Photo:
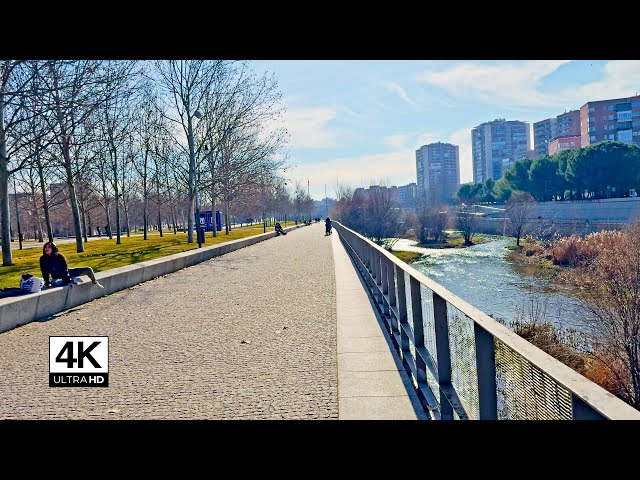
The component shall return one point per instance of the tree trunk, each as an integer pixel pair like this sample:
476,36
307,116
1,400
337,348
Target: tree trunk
227,225
173,218
84,219
106,207
192,167
158,202
115,189
126,218
72,196
45,202
4,191
35,213
145,202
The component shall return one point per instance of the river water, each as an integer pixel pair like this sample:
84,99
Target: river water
482,276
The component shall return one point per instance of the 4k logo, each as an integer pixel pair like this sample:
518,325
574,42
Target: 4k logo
78,361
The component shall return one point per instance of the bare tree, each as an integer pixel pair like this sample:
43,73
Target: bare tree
19,105
467,222
431,222
75,91
519,211
613,278
186,85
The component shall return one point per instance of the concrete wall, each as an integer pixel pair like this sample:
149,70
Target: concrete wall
21,310
578,215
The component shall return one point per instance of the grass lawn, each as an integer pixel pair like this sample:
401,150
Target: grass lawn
105,254
407,257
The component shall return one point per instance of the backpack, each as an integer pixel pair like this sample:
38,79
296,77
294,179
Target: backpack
31,284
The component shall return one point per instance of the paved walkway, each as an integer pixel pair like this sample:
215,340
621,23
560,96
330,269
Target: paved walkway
176,343
372,383
254,334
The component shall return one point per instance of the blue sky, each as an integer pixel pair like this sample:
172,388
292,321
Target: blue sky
359,122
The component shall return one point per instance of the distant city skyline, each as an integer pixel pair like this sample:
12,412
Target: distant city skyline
360,122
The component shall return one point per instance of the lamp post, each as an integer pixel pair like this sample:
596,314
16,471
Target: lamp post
198,115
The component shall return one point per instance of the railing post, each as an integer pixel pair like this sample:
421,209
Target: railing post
443,353
384,263
486,368
378,268
418,328
402,309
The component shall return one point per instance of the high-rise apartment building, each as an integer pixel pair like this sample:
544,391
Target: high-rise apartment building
616,119
544,131
407,195
438,172
496,146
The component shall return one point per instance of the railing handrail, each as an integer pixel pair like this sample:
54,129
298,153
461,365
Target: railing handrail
589,392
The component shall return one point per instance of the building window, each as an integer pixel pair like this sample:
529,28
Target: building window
635,114
612,136
610,117
592,119
611,107
635,105
592,138
636,134
636,124
592,109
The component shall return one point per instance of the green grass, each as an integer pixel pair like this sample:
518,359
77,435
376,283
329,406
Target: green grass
105,254
407,257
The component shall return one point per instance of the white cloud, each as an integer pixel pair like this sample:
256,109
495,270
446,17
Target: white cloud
309,128
621,79
398,90
398,167
398,140
510,84
517,86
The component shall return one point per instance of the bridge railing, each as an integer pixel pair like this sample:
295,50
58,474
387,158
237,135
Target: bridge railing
463,363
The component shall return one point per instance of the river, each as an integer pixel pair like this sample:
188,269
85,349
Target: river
482,276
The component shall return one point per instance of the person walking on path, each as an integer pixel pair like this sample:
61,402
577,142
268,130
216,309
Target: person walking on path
327,224
54,264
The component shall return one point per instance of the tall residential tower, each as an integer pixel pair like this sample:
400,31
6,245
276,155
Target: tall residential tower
496,146
438,172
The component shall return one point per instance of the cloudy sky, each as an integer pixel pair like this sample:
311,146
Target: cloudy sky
358,122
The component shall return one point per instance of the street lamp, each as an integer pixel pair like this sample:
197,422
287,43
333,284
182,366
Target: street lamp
198,115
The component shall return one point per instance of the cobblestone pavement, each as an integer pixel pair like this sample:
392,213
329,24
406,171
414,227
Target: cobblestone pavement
176,343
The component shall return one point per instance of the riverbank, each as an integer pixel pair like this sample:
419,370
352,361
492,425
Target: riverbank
453,240
407,257
533,259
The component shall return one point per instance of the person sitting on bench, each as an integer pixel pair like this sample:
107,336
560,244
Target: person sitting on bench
279,229
54,264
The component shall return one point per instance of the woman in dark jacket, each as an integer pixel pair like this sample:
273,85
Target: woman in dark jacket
54,264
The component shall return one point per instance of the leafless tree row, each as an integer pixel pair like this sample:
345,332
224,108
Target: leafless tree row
121,143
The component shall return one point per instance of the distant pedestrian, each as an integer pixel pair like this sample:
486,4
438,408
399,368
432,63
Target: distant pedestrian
327,226
54,264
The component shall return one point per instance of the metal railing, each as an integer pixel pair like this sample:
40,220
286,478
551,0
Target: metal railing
463,363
